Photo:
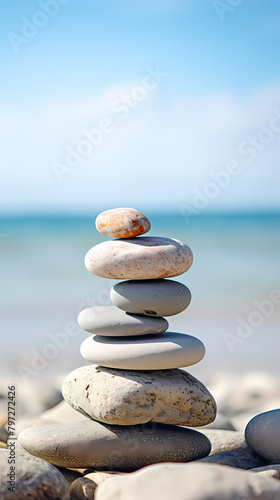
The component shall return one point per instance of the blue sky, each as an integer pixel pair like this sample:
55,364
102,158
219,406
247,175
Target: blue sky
221,87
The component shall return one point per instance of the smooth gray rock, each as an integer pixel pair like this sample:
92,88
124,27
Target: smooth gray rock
238,459
194,481
113,322
263,435
147,352
225,440
123,397
151,297
89,444
35,479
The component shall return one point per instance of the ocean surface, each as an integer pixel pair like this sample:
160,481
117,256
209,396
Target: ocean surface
234,282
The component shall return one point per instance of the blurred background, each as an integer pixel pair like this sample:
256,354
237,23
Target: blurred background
171,107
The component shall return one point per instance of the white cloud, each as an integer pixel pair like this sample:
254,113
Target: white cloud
158,155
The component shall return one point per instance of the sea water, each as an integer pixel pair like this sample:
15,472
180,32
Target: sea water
45,284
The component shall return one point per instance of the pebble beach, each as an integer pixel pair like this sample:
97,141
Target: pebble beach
141,411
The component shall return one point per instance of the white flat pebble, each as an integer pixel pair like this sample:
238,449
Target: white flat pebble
148,352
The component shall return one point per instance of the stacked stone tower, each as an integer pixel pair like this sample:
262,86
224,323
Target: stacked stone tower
134,377
137,403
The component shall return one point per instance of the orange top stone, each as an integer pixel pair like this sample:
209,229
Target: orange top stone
122,223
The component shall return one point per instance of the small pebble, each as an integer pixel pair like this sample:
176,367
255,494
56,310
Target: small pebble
122,223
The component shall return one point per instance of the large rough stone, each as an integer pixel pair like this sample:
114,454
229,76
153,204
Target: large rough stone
147,352
263,435
35,479
238,459
139,258
222,440
90,444
122,223
113,322
151,297
123,397
195,481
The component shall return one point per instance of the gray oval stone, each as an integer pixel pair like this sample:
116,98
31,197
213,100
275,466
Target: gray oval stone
148,352
35,478
122,397
151,297
141,258
238,459
89,444
194,481
111,321
263,435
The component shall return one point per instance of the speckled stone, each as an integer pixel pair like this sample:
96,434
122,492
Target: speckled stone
151,297
35,479
263,435
113,322
89,444
122,223
148,352
123,397
194,481
139,258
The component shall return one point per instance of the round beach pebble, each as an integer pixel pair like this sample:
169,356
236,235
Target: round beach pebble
123,397
151,297
148,352
139,258
34,478
90,444
122,223
113,322
263,435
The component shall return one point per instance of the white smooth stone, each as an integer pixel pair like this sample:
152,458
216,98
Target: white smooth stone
139,258
149,352
151,297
